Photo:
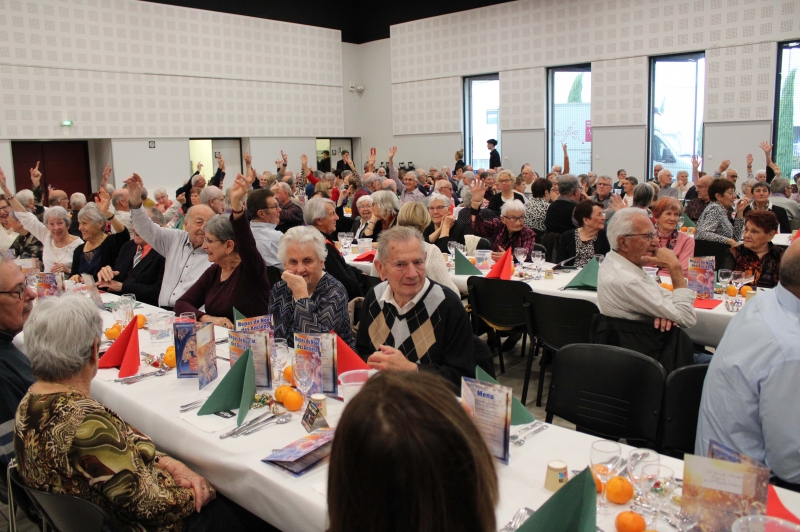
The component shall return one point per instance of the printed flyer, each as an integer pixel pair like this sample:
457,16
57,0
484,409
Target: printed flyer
206,355
701,276
489,405
263,326
323,347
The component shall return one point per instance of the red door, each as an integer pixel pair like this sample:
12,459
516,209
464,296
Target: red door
64,164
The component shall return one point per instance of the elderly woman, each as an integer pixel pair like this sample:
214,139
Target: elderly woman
757,257
162,200
7,234
643,195
99,248
536,208
364,205
414,214
715,222
628,186
62,436
682,183
384,214
761,202
506,232
58,245
443,228
307,299
588,240
747,189
505,179
667,212
238,276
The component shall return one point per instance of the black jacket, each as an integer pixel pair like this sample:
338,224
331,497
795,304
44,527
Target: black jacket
496,202
109,251
336,266
559,216
567,248
144,281
494,159
456,235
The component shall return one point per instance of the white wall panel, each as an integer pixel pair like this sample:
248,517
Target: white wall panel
523,94
740,83
524,147
432,106
619,92
614,148
167,165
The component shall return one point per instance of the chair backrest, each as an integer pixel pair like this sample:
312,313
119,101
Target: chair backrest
539,247
558,321
484,243
64,512
607,390
707,248
550,242
498,303
682,394
368,282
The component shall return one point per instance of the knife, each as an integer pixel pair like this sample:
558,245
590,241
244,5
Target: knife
243,426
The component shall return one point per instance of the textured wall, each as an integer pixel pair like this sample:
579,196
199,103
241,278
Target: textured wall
740,83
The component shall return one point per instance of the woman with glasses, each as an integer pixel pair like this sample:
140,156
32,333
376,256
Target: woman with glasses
588,240
506,232
364,205
99,248
760,193
505,179
715,223
443,228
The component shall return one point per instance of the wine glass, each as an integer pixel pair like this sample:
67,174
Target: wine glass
725,278
679,225
685,508
599,258
538,259
605,460
737,279
521,254
349,240
637,460
304,369
342,236
451,248
279,357
660,483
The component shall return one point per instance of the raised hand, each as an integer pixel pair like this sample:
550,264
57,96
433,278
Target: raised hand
3,184
564,147
248,159
304,161
766,146
724,165
285,158
181,198
103,200
36,175
107,176
749,160
696,160
478,188
135,185
392,152
372,154
617,202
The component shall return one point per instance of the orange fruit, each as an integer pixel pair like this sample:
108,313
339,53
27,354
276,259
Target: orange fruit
684,229
280,393
141,320
630,522
112,333
731,291
287,374
472,260
169,357
597,484
293,401
619,490
666,286
745,290
117,326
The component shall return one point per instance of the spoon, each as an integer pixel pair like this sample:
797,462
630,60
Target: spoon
280,420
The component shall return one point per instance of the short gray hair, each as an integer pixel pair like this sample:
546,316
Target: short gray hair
388,184
315,209
622,224
469,175
363,199
110,188
512,206
283,186
385,201
219,226
306,237
209,193
642,195
760,172
604,178
196,178
92,214
24,196
397,235
156,216
117,196
368,179
567,184
330,176
60,335
77,200
778,185
57,212
439,197
160,192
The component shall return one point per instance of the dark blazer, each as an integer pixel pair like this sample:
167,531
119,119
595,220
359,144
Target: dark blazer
73,227
109,251
456,235
567,249
145,279
783,218
496,201
559,216
494,159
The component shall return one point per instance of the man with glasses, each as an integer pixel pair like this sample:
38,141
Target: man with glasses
445,188
624,290
410,190
602,193
529,176
16,303
264,213
410,323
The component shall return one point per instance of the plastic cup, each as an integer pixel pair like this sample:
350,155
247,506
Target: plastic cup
352,382
364,245
160,327
483,257
763,523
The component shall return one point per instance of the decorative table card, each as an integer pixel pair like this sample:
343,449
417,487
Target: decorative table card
489,405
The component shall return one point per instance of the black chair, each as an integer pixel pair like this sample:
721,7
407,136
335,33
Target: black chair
608,391
483,356
484,243
707,248
550,242
274,275
369,282
63,513
682,394
498,304
539,247
554,322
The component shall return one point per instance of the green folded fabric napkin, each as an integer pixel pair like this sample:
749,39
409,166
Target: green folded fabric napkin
519,414
236,390
464,266
586,278
237,315
687,222
570,509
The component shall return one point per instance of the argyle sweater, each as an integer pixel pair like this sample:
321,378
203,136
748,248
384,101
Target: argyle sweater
435,333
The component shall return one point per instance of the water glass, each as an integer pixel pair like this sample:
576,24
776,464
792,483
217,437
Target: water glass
160,326
660,483
725,277
123,311
364,245
482,258
685,507
521,254
304,369
637,460
737,278
451,248
605,458
187,317
279,357
538,259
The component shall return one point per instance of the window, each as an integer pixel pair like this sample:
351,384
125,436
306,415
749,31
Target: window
570,117
676,110
787,111
481,117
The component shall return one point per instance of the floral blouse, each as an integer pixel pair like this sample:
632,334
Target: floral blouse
70,444
715,225
764,270
535,213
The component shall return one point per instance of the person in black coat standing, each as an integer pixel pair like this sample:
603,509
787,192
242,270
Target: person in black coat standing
494,155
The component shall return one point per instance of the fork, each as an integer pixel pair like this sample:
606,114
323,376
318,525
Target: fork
192,405
515,522
531,433
141,376
532,426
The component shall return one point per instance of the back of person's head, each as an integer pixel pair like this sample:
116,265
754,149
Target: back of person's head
779,184
567,184
790,269
540,187
407,457
642,195
77,201
256,201
414,214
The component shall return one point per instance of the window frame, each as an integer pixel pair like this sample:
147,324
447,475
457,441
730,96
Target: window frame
551,71
793,43
467,113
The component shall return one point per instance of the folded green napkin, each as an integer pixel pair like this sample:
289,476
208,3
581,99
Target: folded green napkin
519,414
464,266
236,390
687,222
570,509
586,278
237,315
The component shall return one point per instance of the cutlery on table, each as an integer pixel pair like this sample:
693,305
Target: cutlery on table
280,420
192,405
222,341
141,376
243,426
518,435
521,441
515,522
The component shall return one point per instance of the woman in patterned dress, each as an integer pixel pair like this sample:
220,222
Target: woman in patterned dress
757,257
588,240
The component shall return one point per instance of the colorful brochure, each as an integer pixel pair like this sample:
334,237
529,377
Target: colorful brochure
701,276
206,355
186,348
262,326
49,284
257,343
489,405
322,346
304,453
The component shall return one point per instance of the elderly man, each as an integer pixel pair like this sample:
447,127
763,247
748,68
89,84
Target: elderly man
291,214
445,188
16,303
212,196
76,202
264,213
696,206
506,232
369,183
559,215
624,290
602,193
410,323
665,188
182,249
410,192
320,213
120,200
753,376
781,193
529,176
59,198
656,169
389,184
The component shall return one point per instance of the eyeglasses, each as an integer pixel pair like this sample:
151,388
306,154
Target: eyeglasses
276,207
5,208
515,219
648,236
504,181
19,292
400,266
437,208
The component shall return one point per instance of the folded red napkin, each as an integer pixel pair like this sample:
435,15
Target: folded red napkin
775,507
707,303
346,358
502,268
124,352
369,256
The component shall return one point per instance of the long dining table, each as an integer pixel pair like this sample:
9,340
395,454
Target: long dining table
298,503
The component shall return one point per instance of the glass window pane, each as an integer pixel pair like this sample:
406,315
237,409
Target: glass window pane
787,134
482,117
570,118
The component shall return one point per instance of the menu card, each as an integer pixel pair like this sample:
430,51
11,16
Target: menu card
302,454
49,284
322,346
701,276
489,405
263,326
186,348
206,355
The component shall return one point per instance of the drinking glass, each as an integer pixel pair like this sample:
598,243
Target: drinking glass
599,258
188,317
451,248
725,278
659,483
462,248
538,259
737,278
680,224
304,369
605,459
279,357
348,241
685,509
521,254
160,327
637,460
123,311
130,296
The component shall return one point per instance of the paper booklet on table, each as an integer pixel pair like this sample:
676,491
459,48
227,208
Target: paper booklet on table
49,284
489,405
186,348
206,355
322,346
701,276
264,326
304,453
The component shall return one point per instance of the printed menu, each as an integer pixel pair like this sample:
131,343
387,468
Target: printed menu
262,326
186,348
206,355
489,405
701,276
322,346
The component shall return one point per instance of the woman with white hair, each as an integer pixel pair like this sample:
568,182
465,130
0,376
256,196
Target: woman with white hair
238,275
99,248
364,205
59,245
162,200
69,444
307,299
506,232
442,228
384,214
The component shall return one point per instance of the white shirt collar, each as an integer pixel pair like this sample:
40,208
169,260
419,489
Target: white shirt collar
388,297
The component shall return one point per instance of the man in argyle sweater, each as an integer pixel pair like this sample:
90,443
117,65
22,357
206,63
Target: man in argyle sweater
410,323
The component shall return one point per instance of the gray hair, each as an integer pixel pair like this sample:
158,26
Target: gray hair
397,235
160,192
219,226
315,209
512,206
91,213
156,216
210,193
385,201
468,176
642,195
283,186
110,188
330,176
303,236
388,184
439,197
289,180
368,179
77,201
622,224
567,184
196,178
57,212
750,183
117,196
760,172
24,196
604,178
60,335
346,173
778,185
790,271
363,199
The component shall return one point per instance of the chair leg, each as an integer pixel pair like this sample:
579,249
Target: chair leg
534,349
524,339
543,366
500,353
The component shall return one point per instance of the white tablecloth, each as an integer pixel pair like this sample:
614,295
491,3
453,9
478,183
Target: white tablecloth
782,239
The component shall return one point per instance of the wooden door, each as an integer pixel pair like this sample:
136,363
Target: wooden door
64,164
